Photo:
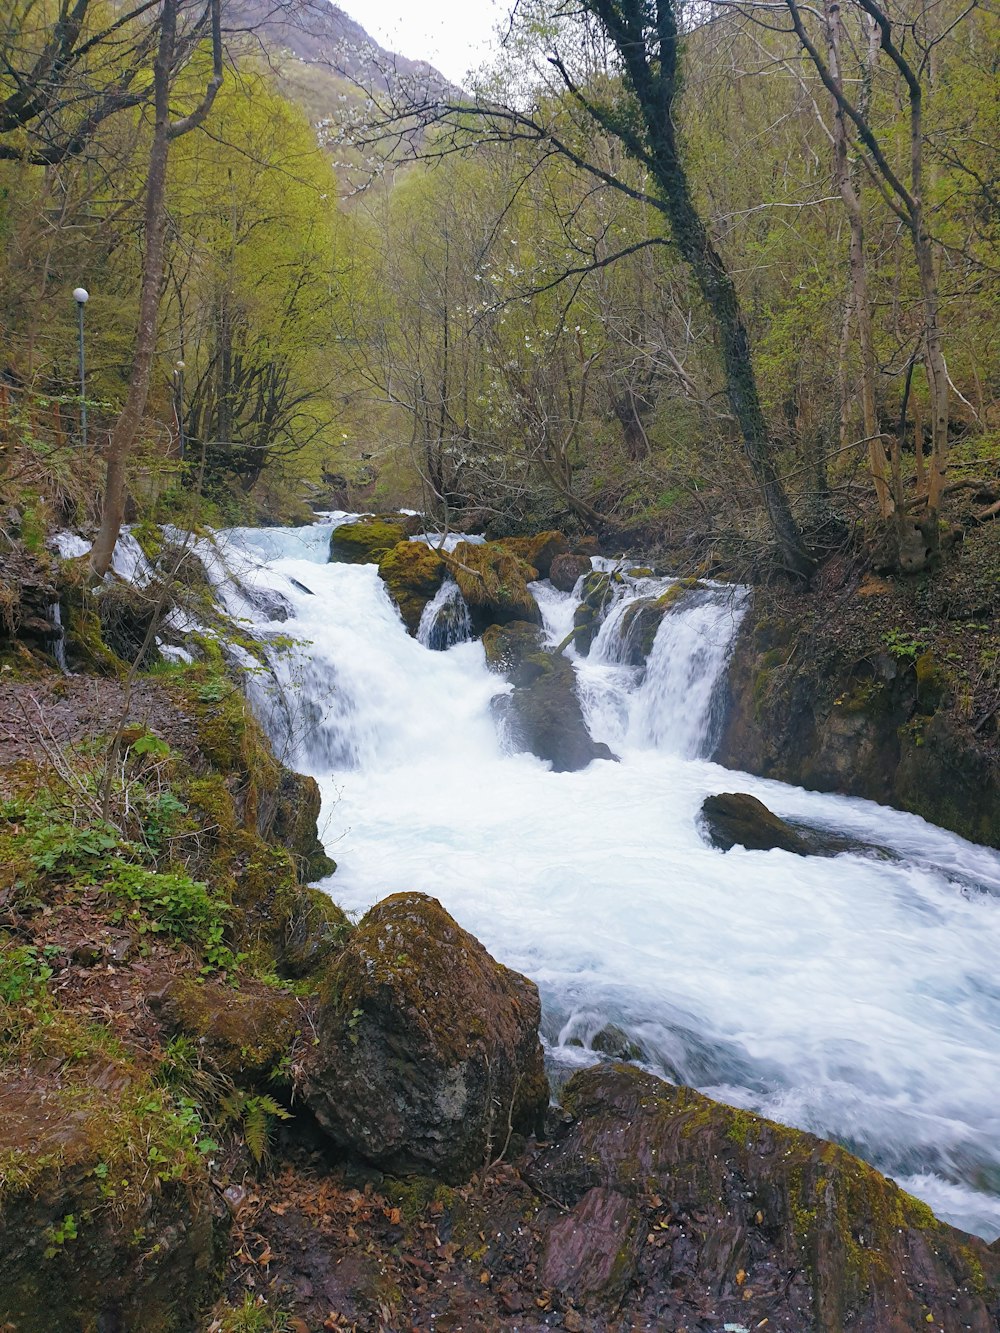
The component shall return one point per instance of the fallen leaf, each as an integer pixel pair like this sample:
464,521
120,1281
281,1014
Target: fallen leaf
741,1277
484,1278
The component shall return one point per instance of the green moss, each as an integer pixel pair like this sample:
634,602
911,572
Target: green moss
412,573
494,582
365,542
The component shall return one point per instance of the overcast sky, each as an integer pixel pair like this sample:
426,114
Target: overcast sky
454,35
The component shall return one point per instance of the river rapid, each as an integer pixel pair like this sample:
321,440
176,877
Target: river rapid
855,996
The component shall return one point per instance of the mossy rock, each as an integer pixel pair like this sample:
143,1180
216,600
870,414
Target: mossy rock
566,569
427,1047
295,826
540,550
508,647
413,573
494,582
366,541
595,597
246,1033
774,1225
315,931
108,1217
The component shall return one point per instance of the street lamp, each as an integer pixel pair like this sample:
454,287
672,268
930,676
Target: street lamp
179,404
81,296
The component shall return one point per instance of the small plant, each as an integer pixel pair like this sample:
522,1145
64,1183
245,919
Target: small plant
904,646
24,974
253,1316
58,1234
255,1113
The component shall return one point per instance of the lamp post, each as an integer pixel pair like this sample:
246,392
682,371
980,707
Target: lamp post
179,405
81,296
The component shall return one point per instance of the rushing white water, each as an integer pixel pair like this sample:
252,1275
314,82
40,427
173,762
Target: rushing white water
855,996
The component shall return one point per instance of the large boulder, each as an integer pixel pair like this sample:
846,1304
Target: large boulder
428,1053
494,582
709,1217
567,568
412,572
540,550
365,541
736,819
508,648
543,714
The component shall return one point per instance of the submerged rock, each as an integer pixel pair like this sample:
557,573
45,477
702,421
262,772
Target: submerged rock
543,715
641,621
704,1216
736,819
366,541
566,569
413,573
494,582
428,1051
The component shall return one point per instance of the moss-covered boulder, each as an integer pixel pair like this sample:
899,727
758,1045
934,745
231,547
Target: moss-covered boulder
737,819
412,572
509,647
428,1050
567,568
246,1033
365,541
745,1223
540,550
108,1216
494,582
543,715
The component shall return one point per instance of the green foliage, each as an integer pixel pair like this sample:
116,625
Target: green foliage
58,1234
254,1316
24,973
255,1114
169,901
906,647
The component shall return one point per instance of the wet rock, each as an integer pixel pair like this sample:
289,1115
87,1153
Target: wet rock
246,1032
595,598
640,622
494,582
544,716
613,1042
451,622
508,647
316,929
412,572
366,541
594,1249
736,819
540,550
295,825
746,1222
566,569
428,1048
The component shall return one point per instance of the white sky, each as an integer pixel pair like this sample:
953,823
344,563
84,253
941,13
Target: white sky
453,35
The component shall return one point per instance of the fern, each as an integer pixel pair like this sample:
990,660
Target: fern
255,1114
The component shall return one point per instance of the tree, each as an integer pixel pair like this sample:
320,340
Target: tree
175,49
637,108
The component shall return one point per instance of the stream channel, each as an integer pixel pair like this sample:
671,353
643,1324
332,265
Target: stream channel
857,996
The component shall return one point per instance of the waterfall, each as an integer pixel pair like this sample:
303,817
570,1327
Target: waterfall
852,996
58,639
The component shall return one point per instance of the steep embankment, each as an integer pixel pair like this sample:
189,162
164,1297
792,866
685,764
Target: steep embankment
879,686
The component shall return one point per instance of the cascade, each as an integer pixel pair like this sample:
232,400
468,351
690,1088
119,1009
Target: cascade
854,996
445,620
